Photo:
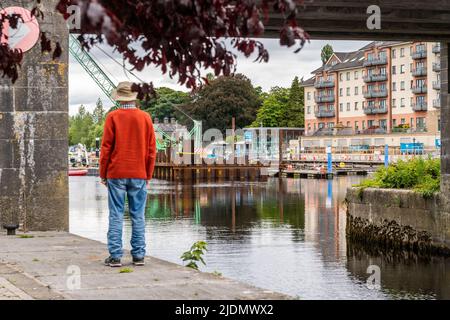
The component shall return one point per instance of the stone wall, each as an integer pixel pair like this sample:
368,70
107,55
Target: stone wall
399,219
34,133
445,121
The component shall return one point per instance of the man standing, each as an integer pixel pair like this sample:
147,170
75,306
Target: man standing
127,160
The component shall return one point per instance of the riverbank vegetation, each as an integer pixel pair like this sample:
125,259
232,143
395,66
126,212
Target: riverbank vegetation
420,175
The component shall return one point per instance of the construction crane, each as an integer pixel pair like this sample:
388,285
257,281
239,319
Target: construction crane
107,86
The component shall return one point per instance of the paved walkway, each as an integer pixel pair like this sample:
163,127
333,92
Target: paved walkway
59,265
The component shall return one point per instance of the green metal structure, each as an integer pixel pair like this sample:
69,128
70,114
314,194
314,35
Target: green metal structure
107,86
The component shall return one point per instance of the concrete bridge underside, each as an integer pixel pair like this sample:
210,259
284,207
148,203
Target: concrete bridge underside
34,111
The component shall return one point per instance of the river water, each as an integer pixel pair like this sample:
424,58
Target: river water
287,236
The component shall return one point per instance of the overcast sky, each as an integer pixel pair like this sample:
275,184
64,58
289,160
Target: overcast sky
282,67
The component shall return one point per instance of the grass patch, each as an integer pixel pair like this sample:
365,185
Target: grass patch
26,236
126,270
420,175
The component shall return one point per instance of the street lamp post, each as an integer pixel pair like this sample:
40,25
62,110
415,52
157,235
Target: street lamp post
97,147
414,146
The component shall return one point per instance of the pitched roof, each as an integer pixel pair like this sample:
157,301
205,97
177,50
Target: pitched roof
308,83
351,60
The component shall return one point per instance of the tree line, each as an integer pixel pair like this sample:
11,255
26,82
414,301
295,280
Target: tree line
215,104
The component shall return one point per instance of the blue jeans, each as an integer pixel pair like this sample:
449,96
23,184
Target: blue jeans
136,189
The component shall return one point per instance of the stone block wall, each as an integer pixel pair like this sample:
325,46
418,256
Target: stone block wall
34,133
400,219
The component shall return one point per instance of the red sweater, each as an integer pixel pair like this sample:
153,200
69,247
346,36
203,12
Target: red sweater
128,146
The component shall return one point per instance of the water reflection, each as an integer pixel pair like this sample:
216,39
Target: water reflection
286,235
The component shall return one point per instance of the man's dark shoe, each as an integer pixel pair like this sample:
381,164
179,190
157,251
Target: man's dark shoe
113,262
138,261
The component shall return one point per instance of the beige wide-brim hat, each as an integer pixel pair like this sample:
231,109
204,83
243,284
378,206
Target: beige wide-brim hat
123,92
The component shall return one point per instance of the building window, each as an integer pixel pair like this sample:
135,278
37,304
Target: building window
308,95
394,70
402,121
348,123
402,52
394,86
402,86
348,76
356,126
394,122
394,53
309,127
348,92
402,102
348,106
356,75
363,124
393,103
330,125
341,92
402,68
356,106
356,91
308,108
341,77
420,122
341,107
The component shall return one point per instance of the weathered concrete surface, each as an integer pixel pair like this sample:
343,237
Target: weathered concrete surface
399,218
34,133
48,257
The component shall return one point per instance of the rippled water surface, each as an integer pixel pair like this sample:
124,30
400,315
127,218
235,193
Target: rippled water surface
286,236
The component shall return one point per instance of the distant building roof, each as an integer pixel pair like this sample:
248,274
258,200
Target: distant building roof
349,60
308,83
168,126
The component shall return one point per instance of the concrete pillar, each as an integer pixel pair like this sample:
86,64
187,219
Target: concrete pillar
34,133
445,122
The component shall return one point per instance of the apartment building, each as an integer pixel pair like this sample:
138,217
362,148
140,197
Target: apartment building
385,88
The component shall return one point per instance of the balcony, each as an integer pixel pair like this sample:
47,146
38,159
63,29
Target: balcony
376,61
324,113
375,93
375,77
419,72
436,85
437,103
375,109
327,83
324,98
419,90
437,48
419,54
436,66
419,106
407,129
